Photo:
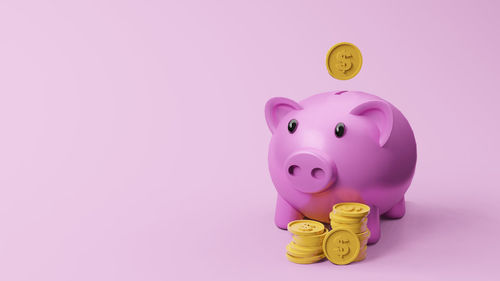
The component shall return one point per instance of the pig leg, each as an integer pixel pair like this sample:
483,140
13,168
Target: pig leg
397,211
374,225
285,213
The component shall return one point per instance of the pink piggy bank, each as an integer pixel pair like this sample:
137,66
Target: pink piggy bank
339,147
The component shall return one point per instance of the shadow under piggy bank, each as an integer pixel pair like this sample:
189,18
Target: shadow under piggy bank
420,223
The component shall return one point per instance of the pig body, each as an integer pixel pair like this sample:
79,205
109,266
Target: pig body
339,147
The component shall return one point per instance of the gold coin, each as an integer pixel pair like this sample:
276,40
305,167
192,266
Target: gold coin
301,255
310,240
361,256
362,253
344,61
356,228
351,209
303,241
339,217
305,227
363,244
347,220
301,251
341,246
364,235
304,260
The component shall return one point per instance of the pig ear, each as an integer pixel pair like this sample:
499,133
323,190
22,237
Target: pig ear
380,113
276,108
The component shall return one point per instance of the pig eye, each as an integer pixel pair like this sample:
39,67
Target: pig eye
292,126
340,130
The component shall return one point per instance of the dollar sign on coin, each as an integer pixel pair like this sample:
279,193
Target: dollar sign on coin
305,227
351,209
343,61
342,245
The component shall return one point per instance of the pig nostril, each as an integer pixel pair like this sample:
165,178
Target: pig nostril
317,173
293,170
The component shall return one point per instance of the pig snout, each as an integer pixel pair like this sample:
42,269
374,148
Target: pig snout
310,172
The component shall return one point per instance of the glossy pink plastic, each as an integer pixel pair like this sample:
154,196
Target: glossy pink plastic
313,168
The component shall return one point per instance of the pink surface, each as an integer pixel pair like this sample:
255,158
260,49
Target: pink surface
134,144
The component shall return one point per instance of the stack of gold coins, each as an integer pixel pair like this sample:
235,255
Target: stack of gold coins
307,241
353,217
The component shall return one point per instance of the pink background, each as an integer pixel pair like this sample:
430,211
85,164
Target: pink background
134,145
